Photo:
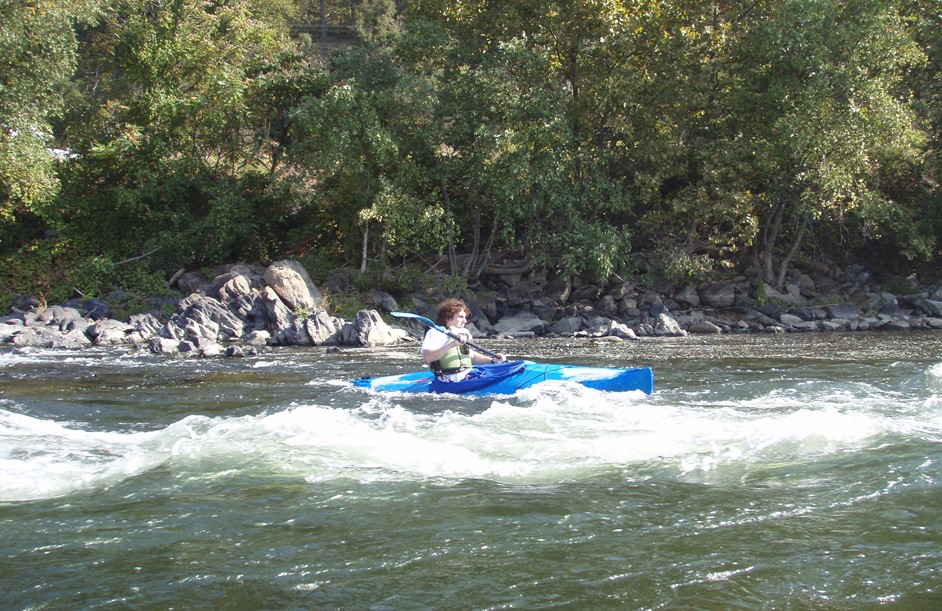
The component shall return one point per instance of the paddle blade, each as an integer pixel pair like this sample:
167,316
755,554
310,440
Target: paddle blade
425,321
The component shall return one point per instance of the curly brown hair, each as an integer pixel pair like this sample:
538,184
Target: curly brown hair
450,308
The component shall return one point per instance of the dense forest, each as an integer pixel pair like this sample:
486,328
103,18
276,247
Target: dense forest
589,137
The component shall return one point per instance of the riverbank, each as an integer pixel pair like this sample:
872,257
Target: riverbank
247,308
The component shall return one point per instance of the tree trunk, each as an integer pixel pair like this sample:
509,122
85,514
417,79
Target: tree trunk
796,244
476,246
769,238
366,243
452,257
324,26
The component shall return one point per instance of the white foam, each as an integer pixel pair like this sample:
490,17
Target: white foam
45,459
552,433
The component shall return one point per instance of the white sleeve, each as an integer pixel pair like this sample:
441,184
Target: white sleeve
434,340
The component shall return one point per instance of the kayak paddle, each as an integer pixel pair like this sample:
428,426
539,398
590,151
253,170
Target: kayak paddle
428,323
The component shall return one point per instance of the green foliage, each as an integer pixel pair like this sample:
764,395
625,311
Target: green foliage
820,110
37,269
398,281
572,133
347,305
37,55
455,284
94,276
676,262
762,293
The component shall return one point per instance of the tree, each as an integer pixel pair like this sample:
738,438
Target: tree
526,121
821,114
37,56
169,148
348,142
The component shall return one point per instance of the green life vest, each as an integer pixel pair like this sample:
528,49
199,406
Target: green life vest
457,358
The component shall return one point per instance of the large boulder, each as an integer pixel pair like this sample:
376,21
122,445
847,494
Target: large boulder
293,285
704,327
278,314
718,295
239,295
521,323
666,325
110,332
369,329
688,297
50,337
622,331
568,325
323,329
843,311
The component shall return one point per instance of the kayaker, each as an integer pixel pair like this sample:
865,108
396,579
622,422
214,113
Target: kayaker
451,358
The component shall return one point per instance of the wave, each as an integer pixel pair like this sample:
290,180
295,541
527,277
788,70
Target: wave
553,433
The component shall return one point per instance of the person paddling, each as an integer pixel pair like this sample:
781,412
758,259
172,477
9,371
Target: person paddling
450,357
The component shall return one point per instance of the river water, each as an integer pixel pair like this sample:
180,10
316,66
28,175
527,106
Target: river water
777,472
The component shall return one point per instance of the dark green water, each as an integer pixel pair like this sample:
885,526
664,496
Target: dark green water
765,472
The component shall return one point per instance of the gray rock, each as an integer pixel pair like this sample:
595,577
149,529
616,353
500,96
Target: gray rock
559,290
718,296
291,282
520,323
808,325
704,327
897,325
8,330
790,319
259,338
544,307
622,331
523,292
688,297
847,312
928,306
323,329
238,293
567,325
369,329
279,316
146,325
164,345
607,306
384,300
209,349
589,292
597,326
49,337
111,332
666,325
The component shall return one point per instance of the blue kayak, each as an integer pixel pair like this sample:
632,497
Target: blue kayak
508,378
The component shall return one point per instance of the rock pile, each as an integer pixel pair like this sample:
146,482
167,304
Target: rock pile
247,308
239,312
815,299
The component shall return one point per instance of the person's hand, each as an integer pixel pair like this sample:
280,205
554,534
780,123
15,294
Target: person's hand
500,358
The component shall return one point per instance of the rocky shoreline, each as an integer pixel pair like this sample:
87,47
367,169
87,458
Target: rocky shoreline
247,308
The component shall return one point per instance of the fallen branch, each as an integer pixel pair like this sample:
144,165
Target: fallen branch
146,254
